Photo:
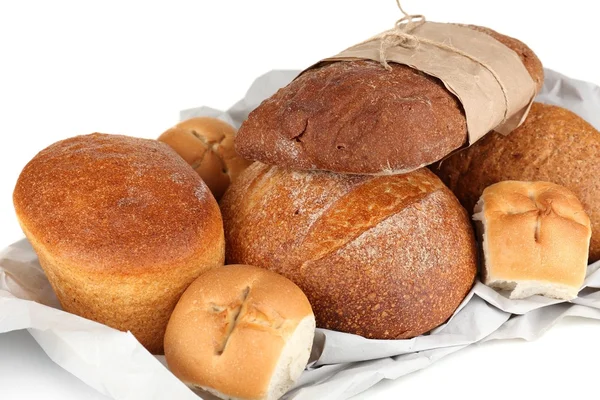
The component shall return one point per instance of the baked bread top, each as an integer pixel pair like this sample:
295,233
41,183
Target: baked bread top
206,144
358,117
115,202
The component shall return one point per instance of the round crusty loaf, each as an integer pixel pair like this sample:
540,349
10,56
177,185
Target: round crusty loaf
240,332
357,117
383,257
553,145
207,145
121,227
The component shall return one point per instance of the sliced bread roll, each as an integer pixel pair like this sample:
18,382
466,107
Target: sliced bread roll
240,332
535,239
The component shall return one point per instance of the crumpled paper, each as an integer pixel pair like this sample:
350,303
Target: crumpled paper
341,365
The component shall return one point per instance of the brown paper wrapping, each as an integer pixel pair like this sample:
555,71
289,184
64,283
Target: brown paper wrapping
488,78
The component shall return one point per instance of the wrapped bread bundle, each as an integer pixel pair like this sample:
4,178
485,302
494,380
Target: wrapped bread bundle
401,100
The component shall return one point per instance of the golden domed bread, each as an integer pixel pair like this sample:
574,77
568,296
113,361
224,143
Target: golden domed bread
121,227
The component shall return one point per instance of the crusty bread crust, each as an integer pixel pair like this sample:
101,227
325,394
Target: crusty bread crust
357,117
230,327
383,257
121,226
553,145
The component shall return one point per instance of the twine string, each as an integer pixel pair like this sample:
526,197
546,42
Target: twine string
402,35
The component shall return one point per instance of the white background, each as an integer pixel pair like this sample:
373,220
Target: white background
76,67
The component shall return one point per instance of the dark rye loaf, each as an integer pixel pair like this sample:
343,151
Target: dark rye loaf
386,257
553,145
357,117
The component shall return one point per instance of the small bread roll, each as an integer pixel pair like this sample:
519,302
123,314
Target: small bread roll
121,227
536,238
207,145
240,332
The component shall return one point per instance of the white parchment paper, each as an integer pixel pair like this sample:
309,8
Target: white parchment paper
341,365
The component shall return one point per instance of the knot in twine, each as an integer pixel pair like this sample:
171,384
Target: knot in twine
400,35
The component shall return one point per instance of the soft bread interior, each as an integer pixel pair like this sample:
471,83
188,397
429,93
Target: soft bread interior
524,289
293,359
482,242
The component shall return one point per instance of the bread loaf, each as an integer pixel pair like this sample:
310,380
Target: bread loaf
553,145
207,145
121,227
535,239
357,117
383,257
240,332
